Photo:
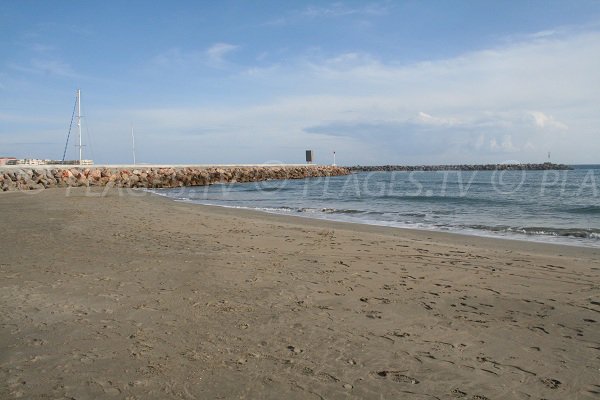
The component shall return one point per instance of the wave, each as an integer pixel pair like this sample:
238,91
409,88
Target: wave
581,210
240,188
413,214
577,233
373,217
337,211
267,189
449,199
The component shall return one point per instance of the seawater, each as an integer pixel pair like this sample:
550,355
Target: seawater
547,206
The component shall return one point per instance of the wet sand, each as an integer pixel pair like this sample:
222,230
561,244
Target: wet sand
131,296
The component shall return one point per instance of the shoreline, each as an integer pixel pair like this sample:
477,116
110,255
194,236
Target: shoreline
446,237
448,203
453,237
538,239
142,296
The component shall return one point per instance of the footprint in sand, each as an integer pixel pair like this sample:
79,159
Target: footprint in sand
551,383
458,393
373,314
396,376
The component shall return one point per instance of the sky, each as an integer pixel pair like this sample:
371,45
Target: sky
381,82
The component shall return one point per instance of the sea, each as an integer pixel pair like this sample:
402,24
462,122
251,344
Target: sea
544,206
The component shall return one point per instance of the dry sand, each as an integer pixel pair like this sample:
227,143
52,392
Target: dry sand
140,297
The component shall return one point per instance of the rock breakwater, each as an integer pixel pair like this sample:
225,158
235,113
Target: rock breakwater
43,177
461,167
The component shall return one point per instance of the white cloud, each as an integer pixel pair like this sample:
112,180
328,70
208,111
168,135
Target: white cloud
427,119
479,141
505,146
172,57
213,56
339,9
217,52
494,144
332,10
546,121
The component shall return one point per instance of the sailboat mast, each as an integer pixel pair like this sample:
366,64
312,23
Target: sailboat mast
79,122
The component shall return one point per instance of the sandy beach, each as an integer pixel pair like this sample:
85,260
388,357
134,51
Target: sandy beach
134,296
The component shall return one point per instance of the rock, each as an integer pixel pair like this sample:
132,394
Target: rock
9,185
134,179
95,175
35,186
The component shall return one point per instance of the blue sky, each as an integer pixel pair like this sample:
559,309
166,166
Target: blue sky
405,82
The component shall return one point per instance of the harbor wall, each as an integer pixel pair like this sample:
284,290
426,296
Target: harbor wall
44,177
461,167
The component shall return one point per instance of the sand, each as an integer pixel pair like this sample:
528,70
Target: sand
134,296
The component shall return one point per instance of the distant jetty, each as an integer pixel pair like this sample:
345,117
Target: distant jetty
44,177
461,167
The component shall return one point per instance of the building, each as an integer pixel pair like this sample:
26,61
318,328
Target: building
310,156
70,162
36,161
6,160
27,161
